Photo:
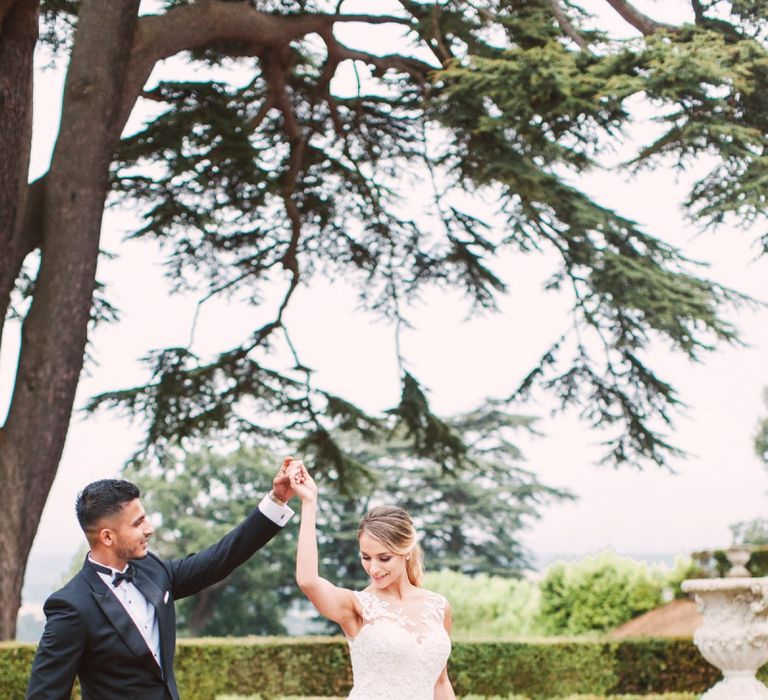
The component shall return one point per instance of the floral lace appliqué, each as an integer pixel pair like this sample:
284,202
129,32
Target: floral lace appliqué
395,655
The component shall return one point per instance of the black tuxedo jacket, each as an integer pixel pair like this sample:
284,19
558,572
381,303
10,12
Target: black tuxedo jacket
89,634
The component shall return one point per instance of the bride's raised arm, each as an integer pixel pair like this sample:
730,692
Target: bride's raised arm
337,604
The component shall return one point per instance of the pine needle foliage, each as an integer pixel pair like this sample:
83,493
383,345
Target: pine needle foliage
278,176
761,436
469,518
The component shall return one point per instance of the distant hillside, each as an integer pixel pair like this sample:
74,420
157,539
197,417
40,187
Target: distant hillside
541,560
45,573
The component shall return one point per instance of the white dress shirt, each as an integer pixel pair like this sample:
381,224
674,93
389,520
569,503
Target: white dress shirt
142,612
278,514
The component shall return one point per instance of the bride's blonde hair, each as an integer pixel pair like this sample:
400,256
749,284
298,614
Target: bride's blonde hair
393,527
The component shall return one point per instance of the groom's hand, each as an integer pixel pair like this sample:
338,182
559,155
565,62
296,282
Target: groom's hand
281,484
304,485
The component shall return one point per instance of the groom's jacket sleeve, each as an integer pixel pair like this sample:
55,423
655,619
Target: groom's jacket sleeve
58,654
197,571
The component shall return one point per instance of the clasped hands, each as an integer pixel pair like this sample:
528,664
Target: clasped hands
293,479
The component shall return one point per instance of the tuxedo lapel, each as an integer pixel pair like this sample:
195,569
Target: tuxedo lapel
148,588
120,619
163,605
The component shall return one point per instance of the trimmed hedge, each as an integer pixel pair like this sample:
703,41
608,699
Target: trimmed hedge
15,661
275,667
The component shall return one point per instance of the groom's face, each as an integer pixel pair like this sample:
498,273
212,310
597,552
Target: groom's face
131,531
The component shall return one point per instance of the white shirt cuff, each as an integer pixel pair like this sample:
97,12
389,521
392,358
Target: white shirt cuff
279,515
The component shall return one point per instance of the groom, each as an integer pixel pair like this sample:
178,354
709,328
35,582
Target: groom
114,624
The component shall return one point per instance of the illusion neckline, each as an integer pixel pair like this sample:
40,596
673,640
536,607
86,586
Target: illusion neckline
395,614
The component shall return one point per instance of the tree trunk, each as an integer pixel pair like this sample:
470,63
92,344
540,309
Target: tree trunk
18,35
202,609
54,332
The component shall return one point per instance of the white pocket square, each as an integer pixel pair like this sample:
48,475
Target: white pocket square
165,597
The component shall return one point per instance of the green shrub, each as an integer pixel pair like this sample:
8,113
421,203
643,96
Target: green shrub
598,593
15,662
488,606
592,595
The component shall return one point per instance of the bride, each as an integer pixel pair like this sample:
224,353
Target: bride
396,630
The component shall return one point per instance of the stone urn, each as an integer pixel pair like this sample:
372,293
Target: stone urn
734,634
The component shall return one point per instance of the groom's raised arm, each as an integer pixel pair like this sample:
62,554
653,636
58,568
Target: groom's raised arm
198,571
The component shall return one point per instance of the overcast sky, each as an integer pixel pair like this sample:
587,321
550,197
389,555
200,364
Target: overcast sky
647,512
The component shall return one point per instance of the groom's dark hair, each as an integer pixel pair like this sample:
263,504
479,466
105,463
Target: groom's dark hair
102,499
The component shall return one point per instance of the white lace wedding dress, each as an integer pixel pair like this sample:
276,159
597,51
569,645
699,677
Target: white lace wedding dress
397,656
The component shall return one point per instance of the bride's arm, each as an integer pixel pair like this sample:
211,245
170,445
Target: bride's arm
337,604
443,687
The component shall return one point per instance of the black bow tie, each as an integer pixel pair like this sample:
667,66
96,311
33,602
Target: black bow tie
118,576
126,575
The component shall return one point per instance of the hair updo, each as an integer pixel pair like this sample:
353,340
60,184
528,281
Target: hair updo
393,527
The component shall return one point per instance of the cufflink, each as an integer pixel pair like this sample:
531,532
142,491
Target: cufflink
165,597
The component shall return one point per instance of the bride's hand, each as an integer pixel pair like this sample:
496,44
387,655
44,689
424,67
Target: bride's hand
302,483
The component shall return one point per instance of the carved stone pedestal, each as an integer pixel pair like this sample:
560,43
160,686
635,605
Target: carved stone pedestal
734,635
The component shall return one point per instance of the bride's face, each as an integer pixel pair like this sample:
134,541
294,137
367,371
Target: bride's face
382,565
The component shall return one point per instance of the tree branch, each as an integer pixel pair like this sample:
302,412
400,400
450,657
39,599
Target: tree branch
412,66
210,22
274,72
324,82
214,22
256,122
698,11
440,49
644,24
565,24
18,35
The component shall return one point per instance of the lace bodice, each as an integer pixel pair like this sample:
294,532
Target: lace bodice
395,655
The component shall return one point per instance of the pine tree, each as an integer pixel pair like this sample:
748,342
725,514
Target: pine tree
279,177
